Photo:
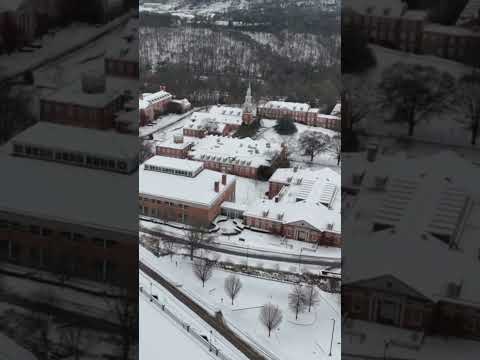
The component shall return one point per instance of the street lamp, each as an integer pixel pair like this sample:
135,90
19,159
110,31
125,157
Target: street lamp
331,340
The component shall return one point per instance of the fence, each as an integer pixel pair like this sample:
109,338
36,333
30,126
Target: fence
212,348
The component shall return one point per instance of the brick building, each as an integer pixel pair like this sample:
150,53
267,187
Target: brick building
64,144
182,190
391,24
242,157
416,210
153,104
91,102
177,146
46,224
299,112
218,120
304,204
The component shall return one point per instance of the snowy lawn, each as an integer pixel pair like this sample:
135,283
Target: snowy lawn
307,338
326,158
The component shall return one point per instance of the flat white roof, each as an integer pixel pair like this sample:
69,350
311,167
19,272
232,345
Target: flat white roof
292,106
73,93
246,152
88,141
198,190
174,163
69,194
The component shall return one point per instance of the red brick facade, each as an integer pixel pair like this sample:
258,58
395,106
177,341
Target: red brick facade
184,212
81,116
70,250
122,68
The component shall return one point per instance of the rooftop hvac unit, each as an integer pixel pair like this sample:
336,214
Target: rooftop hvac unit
299,181
329,226
280,216
265,213
289,179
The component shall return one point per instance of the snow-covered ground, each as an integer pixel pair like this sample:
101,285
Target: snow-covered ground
327,158
164,335
253,241
441,128
307,338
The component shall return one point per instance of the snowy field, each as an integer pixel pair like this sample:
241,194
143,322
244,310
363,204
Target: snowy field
306,338
327,158
443,128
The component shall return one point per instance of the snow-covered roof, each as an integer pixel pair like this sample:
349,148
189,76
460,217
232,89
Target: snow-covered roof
152,98
197,190
469,12
425,211
69,194
235,151
306,212
126,46
174,163
170,141
74,94
87,141
291,106
337,110
309,195
217,116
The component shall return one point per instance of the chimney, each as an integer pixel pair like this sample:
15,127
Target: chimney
216,186
224,179
276,199
295,169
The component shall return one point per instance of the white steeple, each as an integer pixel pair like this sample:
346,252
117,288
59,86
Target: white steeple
247,105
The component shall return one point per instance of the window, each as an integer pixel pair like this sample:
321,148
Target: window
111,243
18,148
99,242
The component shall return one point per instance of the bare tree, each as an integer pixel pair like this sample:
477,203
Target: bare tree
336,147
313,143
203,269
124,310
467,104
414,91
233,285
270,316
197,235
169,246
41,324
75,339
312,296
297,300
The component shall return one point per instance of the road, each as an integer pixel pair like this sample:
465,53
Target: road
211,320
251,253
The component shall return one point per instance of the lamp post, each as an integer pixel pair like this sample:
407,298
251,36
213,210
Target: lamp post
331,340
